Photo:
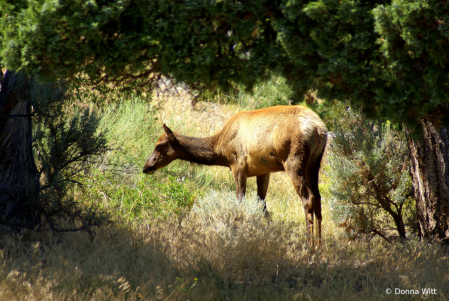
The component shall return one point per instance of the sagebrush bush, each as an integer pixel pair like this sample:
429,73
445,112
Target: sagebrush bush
65,146
64,142
371,186
222,208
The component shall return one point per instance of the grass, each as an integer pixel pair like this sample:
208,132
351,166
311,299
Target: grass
180,234
214,257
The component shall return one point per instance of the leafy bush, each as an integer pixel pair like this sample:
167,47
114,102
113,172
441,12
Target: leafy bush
371,187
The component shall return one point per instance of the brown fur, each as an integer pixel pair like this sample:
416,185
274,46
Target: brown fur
257,143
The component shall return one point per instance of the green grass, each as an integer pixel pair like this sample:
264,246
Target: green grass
141,196
130,130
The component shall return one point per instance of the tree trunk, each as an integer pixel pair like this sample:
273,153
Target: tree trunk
19,179
430,176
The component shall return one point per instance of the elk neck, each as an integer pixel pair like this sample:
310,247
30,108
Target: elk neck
200,150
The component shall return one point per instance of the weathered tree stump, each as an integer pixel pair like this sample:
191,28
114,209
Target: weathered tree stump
19,178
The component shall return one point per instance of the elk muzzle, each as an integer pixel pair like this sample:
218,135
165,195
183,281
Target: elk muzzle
148,170
150,166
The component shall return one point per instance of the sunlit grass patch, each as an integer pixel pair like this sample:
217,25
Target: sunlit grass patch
139,196
130,128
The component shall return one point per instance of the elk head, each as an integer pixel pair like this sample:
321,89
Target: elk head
165,151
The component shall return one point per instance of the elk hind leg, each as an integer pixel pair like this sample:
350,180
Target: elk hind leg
300,185
312,171
308,205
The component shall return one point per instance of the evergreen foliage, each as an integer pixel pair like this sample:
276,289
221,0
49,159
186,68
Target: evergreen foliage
387,57
370,182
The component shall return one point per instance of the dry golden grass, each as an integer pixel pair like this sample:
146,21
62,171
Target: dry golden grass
224,251
220,250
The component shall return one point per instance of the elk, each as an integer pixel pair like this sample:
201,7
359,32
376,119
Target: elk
257,143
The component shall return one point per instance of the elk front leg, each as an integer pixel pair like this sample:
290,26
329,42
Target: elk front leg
262,187
240,177
240,184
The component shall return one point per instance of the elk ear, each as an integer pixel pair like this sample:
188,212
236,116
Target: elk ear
170,135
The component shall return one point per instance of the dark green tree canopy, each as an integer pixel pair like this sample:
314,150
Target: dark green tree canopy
388,57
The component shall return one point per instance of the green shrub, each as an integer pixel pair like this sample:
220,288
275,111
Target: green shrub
61,142
66,141
370,183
